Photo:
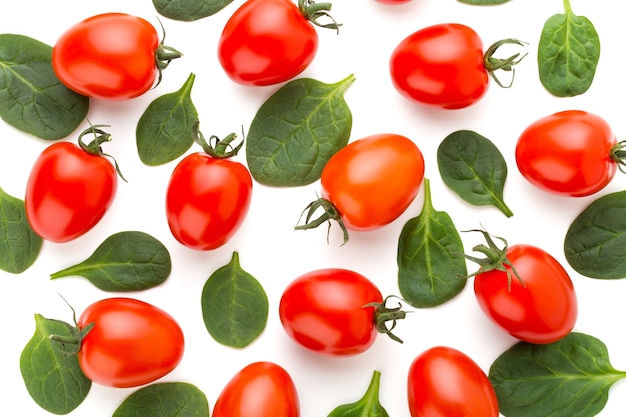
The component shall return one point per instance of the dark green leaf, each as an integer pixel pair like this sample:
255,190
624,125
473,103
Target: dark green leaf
32,99
53,380
297,130
473,167
168,399
431,265
125,261
568,54
369,405
189,10
19,244
568,378
595,243
484,2
234,305
166,129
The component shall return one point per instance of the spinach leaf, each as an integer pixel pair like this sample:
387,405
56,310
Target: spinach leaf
568,53
125,261
234,305
484,2
473,167
166,129
166,399
595,242
189,10
297,130
369,405
32,99
430,258
570,377
53,379
19,244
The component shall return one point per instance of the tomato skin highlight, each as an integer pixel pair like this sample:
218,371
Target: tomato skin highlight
441,66
110,56
266,42
323,311
260,389
543,311
68,191
207,200
444,382
132,342
567,153
373,180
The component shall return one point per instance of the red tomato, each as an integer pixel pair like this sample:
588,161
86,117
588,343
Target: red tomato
266,42
261,389
69,190
131,343
569,153
112,56
207,200
325,311
444,382
542,310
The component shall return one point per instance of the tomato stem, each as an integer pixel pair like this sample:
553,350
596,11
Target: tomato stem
618,155
70,345
330,213
216,147
493,64
383,314
94,148
164,55
313,11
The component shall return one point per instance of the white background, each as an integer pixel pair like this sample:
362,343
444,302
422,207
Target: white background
269,248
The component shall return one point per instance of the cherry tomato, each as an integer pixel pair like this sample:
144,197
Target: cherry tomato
530,295
444,382
112,56
335,312
443,65
131,342
261,389
266,42
69,189
207,199
569,153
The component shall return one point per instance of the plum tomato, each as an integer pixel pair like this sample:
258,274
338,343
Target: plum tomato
111,56
444,66
335,312
70,188
443,382
266,42
260,389
570,153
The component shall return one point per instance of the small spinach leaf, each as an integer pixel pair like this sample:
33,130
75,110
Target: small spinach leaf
53,379
431,266
189,10
484,2
473,167
19,244
568,53
32,99
166,129
166,399
570,377
125,261
595,242
297,130
234,305
369,405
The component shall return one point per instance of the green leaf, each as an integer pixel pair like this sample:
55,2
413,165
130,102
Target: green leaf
166,129
568,378
167,399
369,405
125,261
234,305
595,242
430,258
484,2
297,130
568,54
53,380
473,167
19,244
32,99
189,10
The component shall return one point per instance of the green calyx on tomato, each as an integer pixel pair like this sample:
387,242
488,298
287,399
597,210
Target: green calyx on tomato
94,148
215,147
313,11
164,55
493,64
383,314
70,345
618,155
330,214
